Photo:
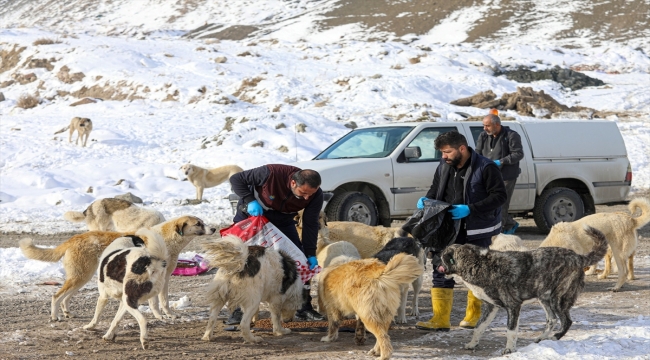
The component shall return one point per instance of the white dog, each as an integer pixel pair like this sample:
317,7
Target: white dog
115,214
504,242
132,275
203,178
248,275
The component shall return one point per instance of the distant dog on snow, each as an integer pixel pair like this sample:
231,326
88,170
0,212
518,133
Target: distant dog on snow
131,275
203,178
552,275
370,290
248,275
83,127
620,230
115,214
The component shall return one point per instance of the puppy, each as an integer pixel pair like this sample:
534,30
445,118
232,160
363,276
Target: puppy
369,289
504,242
508,279
131,275
619,229
367,239
203,178
83,127
112,214
410,246
248,275
81,255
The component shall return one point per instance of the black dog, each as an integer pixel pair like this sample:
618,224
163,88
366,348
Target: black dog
554,276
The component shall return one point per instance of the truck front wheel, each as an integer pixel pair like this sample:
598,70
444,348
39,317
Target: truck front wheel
557,205
352,206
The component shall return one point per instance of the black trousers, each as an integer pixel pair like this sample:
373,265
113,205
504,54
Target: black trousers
439,279
507,222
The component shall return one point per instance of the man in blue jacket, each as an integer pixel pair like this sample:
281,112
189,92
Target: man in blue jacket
473,184
278,192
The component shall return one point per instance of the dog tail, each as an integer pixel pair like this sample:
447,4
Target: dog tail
600,246
62,130
229,253
644,205
401,269
34,252
154,243
74,216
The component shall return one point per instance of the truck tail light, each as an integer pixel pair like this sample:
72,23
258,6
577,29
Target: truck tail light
628,174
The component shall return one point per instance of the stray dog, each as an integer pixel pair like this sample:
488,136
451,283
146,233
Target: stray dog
81,255
112,214
367,239
83,127
508,279
131,275
248,275
504,242
370,290
410,246
203,178
619,229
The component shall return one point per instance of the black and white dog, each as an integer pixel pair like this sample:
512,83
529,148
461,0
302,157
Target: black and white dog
410,246
507,279
248,275
133,274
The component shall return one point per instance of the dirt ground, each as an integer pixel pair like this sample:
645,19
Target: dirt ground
26,332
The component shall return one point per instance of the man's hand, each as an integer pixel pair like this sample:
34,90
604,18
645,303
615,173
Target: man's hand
459,211
313,262
421,202
254,208
498,162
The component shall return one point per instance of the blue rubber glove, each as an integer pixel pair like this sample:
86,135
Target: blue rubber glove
421,202
254,208
313,262
498,162
459,211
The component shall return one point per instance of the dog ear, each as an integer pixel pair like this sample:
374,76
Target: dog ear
179,228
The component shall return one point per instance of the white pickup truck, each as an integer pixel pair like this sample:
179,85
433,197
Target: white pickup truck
376,174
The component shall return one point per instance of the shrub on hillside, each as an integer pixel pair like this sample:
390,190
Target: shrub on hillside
45,41
27,101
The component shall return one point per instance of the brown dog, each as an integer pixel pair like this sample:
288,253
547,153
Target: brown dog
83,127
81,255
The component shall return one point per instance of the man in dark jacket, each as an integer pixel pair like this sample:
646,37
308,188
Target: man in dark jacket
278,192
503,146
473,184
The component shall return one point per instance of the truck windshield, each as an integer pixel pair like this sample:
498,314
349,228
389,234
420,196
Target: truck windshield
366,143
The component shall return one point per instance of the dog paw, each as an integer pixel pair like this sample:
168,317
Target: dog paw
145,344
470,346
506,351
282,331
614,289
206,337
89,327
373,352
401,320
601,276
325,339
109,337
359,341
68,315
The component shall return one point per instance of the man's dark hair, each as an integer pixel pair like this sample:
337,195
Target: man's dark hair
307,176
450,138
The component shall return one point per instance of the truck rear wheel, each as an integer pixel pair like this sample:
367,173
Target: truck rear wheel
557,205
352,206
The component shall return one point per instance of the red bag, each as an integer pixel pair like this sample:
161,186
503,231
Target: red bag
257,230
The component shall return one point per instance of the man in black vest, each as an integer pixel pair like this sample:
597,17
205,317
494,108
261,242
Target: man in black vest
503,146
473,184
278,192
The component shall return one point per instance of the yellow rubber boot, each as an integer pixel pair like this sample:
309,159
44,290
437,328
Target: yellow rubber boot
441,300
473,312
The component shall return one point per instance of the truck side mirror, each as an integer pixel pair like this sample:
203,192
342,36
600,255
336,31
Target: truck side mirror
412,152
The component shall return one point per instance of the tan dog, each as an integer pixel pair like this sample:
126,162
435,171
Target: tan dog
131,275
504,242
203,178
112,214
367,239
619,229
370,290
83,127
81,255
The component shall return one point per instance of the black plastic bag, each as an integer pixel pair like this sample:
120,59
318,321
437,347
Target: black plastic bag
433,225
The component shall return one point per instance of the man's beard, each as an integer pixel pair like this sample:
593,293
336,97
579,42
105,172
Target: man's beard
454,162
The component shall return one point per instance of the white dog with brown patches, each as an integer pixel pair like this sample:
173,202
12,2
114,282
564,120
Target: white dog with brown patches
132,275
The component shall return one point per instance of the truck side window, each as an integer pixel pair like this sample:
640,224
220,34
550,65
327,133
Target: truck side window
476,131
425,141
